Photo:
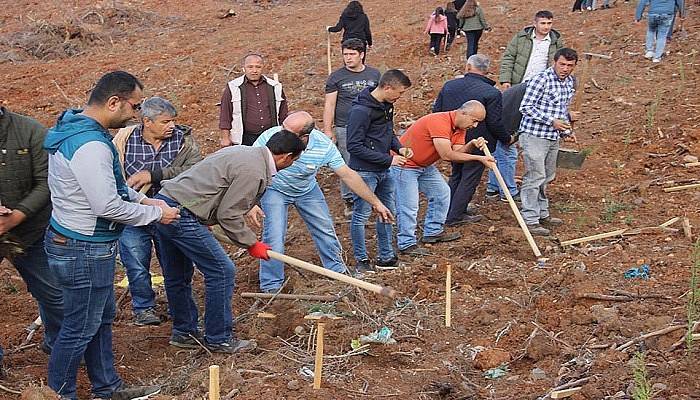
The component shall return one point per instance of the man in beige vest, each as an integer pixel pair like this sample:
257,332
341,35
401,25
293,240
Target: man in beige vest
250,104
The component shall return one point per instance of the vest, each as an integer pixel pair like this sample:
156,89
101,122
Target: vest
234,86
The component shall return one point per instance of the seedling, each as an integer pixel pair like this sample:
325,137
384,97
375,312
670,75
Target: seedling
693,306
642,388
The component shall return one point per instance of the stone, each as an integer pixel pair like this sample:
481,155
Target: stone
689,158
538,374
658,387
294,385
491,358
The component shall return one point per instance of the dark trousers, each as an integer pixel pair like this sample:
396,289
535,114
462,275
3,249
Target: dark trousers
473,41
577,5
451,33
435,41
463,182
249,138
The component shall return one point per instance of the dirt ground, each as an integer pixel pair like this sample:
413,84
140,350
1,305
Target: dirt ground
640,123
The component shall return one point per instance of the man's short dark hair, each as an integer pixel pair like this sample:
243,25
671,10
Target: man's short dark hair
567,53
354,44
118,83
546,14
394,78
284,142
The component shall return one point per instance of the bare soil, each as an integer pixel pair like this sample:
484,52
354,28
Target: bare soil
639,122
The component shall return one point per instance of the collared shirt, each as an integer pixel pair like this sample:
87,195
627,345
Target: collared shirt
539,56
419,137
272,168
140,155
300,178
546,98
257,116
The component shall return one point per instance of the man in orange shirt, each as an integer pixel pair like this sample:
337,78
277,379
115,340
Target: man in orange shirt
437,136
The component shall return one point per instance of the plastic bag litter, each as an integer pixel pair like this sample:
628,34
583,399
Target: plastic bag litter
495,373
382,336
638,272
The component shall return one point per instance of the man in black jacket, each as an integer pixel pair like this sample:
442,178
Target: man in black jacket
466,176
371,140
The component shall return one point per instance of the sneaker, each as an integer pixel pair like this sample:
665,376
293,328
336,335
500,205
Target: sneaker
442,237
656,60
191,341
471,209
537,230
432,52
146,317
414,250
392,263
551,221
363,267
126,392
347,210
491,195
233,346
466,219
649,54
516,198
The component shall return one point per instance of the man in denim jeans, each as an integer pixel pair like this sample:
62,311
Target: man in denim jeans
91,205
370,142
220,189
25,208
297,186
437,136
660,22
153,151
545,109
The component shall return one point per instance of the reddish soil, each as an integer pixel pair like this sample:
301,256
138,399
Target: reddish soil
639,121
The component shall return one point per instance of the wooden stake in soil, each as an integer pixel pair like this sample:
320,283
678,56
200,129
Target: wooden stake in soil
448,297
318,365
214,382
513,207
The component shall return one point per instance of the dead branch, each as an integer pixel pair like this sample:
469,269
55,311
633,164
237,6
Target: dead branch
660,332
681,341
282,296
606,297
8,390
552,336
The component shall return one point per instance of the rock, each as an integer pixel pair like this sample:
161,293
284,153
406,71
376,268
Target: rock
294,385
38,393
491,358
658,387
541,347
688,158
607,318
538,374
299,330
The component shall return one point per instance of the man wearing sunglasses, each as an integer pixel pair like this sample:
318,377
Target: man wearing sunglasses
92,204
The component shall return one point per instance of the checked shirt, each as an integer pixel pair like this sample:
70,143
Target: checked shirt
140,155
547,98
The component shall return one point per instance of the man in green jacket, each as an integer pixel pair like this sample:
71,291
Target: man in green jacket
530,51
153,151
25,208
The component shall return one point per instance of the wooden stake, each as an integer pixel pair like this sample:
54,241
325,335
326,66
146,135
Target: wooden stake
670,222
448,296
284,296
318,365
328,51
214,382
560,394
683,187
687,230
513,207
594,237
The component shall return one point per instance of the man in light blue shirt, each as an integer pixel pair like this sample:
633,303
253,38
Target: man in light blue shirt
297,185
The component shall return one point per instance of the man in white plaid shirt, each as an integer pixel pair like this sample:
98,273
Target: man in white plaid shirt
546,119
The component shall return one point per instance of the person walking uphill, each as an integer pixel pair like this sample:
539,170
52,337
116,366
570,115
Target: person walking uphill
151,152
91,205
660,22
355,24
452,23
25,209
437,28
546,118
220,189
473,23
371,140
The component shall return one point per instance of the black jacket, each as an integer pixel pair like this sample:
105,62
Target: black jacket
354,26
511,116
370,132
476,87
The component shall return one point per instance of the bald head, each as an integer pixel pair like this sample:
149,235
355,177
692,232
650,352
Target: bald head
470,114
300,122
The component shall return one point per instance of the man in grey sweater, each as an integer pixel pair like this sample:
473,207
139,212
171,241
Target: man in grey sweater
221,189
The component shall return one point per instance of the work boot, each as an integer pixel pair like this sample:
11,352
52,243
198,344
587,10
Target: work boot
232,346
146,317
191,341
551,221
414,250
442,237
537,230
126,392
466,219
363,267
391,263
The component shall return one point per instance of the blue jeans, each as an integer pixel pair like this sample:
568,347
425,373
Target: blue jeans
430,182
473,41
135,246
85,272
341,137
540,156
180,244
314,211
657,33
41,282
506,157
382,184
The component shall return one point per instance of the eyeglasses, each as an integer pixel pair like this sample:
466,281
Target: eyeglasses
135,107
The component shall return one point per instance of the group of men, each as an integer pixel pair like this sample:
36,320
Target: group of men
149,187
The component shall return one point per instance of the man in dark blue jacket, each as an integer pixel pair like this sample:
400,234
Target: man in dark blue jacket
371,139
466,176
